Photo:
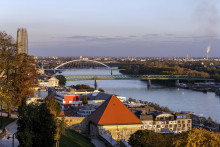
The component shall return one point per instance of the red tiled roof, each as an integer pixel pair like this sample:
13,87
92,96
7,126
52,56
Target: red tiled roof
62,113
113,111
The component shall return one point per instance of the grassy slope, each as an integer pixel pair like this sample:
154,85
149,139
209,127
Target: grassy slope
74,139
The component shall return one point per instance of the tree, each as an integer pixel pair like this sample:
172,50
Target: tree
101,90
26,78
199,137
146,138
7,66
53,106
62,80
81,86
36,126
19,71
85,100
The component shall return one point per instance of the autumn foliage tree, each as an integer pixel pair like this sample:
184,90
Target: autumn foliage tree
18,74
197,137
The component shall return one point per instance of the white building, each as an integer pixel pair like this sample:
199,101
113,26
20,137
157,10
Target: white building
52,82
67,99
35,100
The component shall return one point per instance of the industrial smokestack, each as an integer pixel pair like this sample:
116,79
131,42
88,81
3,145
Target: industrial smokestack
207,51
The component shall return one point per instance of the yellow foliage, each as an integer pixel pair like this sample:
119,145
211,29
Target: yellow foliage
199,138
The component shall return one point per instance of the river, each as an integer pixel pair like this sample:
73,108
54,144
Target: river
176,99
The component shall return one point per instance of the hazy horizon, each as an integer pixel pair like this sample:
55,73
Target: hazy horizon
122,28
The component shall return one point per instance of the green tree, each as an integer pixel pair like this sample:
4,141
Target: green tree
85,100
62,80
101,90
81,86
53,106
146,138
36,126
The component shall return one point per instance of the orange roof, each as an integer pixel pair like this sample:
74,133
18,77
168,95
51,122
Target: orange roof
113,111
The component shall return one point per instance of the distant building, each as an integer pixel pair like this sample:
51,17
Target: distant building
142,110
35,100
86,111
114,119
162,122
67,99
49,82
85,91
22,41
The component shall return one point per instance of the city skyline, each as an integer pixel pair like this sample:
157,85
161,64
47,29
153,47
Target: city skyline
116,28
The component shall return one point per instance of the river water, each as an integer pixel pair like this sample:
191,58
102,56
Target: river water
176,99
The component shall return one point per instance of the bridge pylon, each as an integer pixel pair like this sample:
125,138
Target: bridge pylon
148,83
95,83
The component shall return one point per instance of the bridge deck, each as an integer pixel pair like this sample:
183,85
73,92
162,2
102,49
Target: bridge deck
135,77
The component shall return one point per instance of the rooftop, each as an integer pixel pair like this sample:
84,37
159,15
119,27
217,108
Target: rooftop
113,112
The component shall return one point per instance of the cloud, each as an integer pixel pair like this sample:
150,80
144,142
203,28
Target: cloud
169,34
97,38
79,37
152,35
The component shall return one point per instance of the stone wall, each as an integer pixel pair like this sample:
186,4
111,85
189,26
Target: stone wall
79,124
119,132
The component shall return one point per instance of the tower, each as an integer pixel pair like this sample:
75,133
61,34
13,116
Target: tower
22,41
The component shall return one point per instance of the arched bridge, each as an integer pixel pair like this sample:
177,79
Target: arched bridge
81,60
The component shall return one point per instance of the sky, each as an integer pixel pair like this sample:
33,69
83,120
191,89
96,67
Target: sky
120,28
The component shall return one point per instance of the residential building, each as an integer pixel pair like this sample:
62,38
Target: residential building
114,119
142,110
162,122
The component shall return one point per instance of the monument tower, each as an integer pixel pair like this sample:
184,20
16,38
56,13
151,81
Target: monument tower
22,41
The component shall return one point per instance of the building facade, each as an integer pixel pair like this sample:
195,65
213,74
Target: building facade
67,99
166,122
52,82
22,41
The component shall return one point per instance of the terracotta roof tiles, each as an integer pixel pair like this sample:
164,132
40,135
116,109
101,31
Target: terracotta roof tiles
113,111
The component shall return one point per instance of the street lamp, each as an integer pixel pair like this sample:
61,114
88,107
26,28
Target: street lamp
13,139
1,115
